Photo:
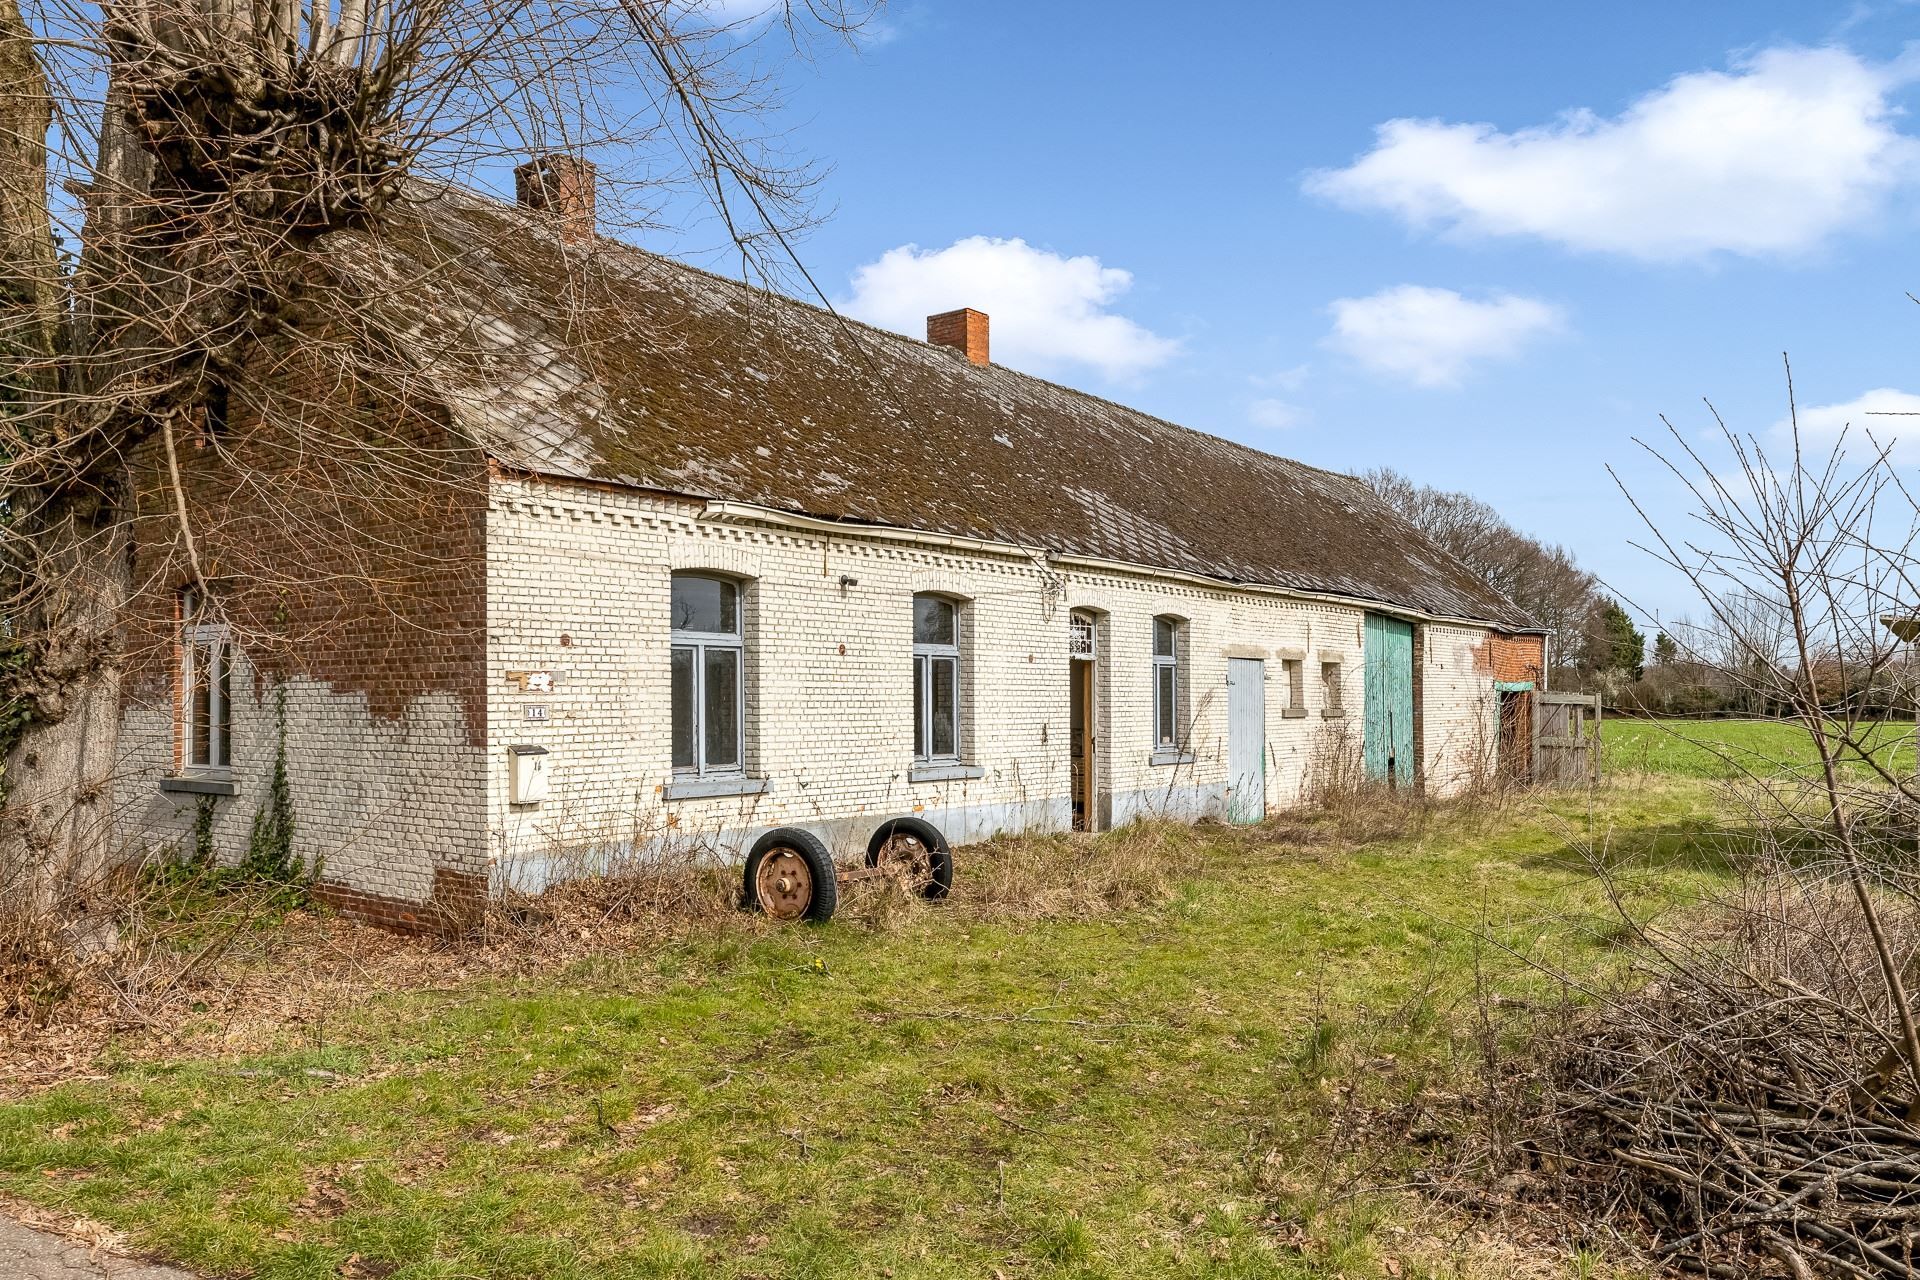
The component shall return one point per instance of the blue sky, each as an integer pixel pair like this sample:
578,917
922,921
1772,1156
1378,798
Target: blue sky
1589,216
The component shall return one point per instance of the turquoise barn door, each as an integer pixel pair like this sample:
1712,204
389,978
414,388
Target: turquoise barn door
1388,740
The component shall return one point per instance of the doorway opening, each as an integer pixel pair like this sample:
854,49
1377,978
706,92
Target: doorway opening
1515,755
1083,719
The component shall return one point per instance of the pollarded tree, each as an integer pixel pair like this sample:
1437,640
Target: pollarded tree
200,153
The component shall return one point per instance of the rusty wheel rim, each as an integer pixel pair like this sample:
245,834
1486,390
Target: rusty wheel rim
907,856
784,884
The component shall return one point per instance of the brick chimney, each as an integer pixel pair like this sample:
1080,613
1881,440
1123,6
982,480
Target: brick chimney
560,185
964,330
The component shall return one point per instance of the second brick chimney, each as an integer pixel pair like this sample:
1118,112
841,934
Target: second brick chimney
560,185
964,330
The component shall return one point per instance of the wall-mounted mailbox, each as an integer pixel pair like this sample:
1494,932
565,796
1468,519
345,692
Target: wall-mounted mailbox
529,772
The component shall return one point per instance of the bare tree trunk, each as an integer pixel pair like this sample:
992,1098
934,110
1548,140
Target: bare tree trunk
57,825
61,669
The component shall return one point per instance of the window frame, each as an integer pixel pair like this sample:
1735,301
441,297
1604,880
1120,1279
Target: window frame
206,651
925,655
1333,675
698,644
1167,662
1295,671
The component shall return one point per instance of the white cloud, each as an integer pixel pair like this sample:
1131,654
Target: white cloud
1770,158
1891,417
1275,415
1431,336
1046,311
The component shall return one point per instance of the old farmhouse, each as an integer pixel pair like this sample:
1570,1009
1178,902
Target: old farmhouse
654,555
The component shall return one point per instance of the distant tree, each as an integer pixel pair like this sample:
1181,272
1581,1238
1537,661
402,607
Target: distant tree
1541,578
1614,646
1665,651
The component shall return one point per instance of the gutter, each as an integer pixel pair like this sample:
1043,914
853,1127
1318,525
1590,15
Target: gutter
747,513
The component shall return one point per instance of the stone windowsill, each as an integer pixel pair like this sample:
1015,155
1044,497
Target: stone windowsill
710,788
200,785
1293,713
1333,713
1167,755
944,771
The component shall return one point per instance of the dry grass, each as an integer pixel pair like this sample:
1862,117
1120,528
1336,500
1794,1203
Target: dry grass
159,965
1063,877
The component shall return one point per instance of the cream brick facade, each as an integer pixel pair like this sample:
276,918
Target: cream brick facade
579,581
380,804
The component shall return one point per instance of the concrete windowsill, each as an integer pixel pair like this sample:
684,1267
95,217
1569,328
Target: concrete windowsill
1333,713
948,772
709,788
1293,713
207,785
1171,757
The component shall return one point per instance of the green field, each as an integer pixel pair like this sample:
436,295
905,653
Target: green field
1718,749
1151,1093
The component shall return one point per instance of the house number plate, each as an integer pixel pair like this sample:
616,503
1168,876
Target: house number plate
537,711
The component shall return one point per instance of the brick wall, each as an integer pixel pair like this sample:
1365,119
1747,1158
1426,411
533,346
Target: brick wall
1518,659
341,538
964,330
1459,710
579,581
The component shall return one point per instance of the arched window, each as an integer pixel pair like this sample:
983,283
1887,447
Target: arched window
709,687
206,686
1168,641
936,678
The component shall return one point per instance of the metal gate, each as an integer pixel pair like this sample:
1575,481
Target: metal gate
1566,738
1387,743
1246,740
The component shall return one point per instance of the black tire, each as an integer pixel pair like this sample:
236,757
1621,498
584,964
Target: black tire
937,879
823,891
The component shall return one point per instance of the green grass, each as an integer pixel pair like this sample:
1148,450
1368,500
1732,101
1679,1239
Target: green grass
1149,1094
1718,749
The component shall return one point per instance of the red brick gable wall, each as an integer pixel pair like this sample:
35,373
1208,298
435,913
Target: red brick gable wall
341,529
1519,657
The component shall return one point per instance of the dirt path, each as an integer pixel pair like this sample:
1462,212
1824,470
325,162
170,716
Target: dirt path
27,1253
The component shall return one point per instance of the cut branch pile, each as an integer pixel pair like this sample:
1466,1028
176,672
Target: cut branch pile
1749,1106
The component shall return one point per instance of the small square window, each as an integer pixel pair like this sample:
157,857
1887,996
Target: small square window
1330,681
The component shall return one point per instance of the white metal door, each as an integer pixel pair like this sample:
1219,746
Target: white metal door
1246,740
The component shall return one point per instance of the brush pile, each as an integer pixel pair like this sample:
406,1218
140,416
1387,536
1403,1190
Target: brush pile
1751,1102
